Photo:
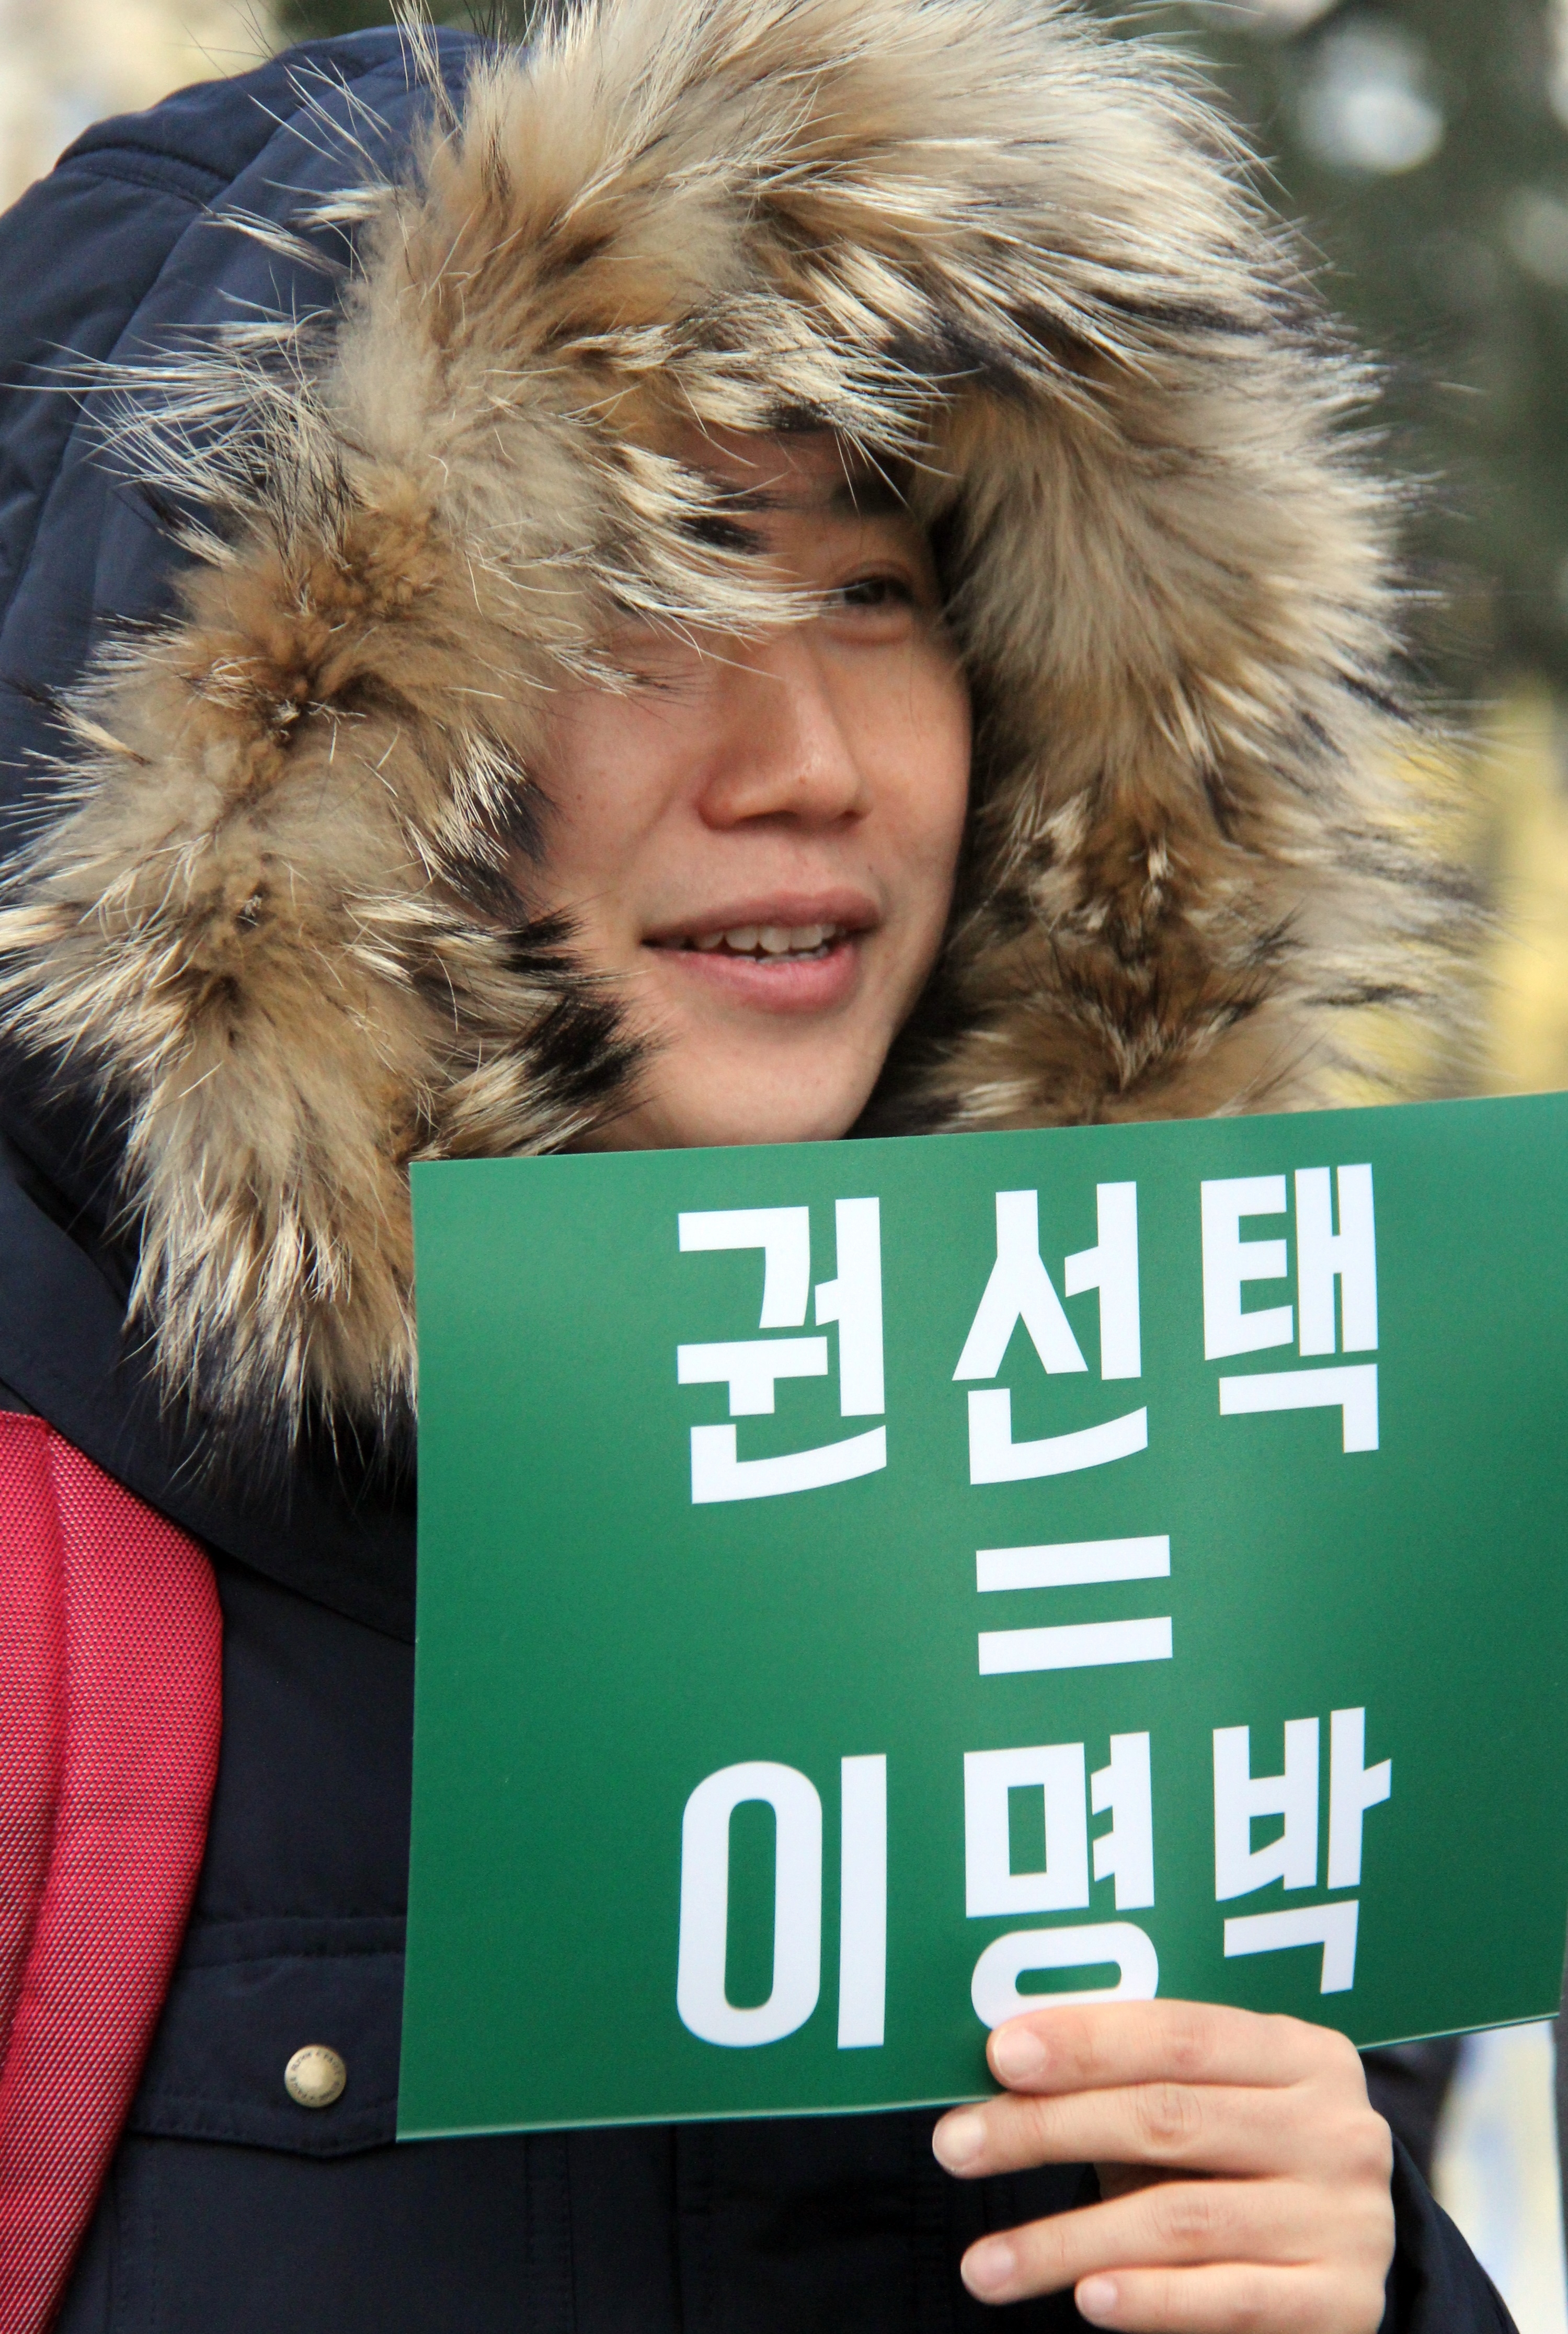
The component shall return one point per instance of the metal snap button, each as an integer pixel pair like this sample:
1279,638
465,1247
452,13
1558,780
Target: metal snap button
315,2076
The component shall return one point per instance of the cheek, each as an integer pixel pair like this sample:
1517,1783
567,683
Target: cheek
933,794
599,777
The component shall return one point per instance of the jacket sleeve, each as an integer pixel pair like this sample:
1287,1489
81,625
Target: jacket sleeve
1435,2285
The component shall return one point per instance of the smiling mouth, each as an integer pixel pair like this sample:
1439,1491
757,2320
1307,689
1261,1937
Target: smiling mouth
765,943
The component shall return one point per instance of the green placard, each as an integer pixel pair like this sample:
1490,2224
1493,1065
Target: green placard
866,1585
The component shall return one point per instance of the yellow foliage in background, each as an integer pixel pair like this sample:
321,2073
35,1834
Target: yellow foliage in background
1521,774
1495,803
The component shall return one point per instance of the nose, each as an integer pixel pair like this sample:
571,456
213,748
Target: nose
783,749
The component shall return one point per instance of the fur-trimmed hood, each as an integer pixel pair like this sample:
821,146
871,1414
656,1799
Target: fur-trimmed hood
976,237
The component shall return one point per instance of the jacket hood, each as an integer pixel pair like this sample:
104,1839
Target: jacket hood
978,239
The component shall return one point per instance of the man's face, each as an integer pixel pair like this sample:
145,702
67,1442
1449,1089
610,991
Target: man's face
758,842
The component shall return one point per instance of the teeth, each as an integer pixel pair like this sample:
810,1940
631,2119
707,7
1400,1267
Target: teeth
768,939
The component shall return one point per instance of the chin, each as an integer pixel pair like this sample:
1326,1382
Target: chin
728,1114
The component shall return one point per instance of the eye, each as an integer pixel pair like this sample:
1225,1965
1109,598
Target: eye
878,590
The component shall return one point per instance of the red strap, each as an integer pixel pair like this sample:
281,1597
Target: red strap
111,1681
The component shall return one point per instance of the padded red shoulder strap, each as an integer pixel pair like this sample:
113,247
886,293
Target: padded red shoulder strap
110,1683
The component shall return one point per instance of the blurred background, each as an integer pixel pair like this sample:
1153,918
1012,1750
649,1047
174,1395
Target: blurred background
1421,149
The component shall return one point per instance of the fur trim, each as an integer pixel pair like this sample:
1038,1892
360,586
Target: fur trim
976,237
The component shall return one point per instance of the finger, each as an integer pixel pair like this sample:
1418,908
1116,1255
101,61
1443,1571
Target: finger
1192,2127
1233,2298
1175,2224
1092,2046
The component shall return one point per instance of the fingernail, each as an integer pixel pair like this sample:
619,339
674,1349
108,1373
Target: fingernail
987,2268
959,2139
1096,2299
1016,2053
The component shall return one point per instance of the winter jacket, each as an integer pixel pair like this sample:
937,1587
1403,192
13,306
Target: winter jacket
336,403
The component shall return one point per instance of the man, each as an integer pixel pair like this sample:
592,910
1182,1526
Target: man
791,571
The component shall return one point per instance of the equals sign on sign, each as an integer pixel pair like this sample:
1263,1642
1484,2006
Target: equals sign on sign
1075,1645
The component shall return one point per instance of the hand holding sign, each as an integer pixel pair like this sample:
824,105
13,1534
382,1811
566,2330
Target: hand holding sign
1285,2222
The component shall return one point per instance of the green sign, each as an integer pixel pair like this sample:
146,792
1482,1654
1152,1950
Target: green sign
866,1586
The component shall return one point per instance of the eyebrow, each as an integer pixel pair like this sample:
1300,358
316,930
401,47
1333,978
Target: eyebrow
860,493
866,493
